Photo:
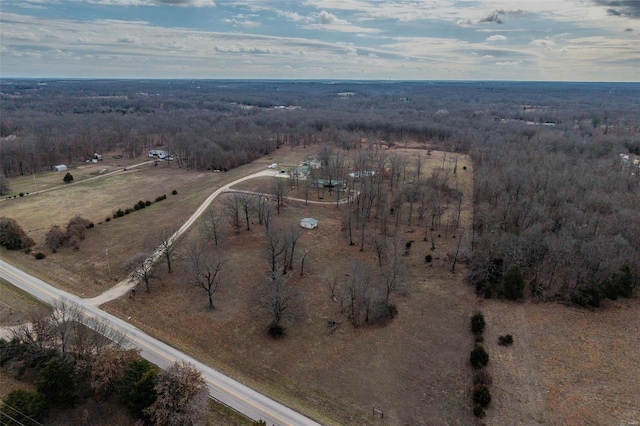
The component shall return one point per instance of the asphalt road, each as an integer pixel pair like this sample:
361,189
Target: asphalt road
222,388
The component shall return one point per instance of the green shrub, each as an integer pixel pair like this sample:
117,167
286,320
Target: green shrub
39,255
12,236
478,411
108,219
513,283
477,323
276,330
55,382
428,258
68,178
506,340
119,213
23,407
174,192
21,194
147,203
478,338
482,395
479,357
481,377
136,386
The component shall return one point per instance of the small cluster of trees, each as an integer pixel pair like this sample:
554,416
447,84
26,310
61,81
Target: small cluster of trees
74,358
71,237
12,236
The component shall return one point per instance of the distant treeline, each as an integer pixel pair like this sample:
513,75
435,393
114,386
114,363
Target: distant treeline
223,124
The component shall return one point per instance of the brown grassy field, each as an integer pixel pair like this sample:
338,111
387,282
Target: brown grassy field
15,305
567,366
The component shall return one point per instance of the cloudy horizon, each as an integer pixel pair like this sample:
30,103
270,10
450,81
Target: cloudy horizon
571,40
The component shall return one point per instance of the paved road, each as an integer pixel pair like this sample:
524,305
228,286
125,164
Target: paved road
224,389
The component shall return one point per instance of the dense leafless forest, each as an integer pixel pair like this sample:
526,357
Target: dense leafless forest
556,194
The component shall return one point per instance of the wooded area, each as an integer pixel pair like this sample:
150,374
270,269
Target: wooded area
556,175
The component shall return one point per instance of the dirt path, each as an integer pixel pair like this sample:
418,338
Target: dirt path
66,185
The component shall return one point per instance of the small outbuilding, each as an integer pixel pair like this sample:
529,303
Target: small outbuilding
309,223
60,168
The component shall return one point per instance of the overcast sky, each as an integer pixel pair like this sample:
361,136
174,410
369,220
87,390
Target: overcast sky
566,40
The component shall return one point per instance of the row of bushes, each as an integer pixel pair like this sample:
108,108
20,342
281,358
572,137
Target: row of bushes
22,194
479,358
138,206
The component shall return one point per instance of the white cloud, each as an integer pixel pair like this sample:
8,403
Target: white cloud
496,37
326,21
246,23
128,39
295,16
182,3
543,42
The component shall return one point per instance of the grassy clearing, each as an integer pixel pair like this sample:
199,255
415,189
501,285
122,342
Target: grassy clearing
567,365
15,305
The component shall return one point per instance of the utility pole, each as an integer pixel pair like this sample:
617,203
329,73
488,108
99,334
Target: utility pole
108,264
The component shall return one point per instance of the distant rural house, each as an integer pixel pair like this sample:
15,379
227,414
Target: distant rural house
309,223
60,168
301,172
314,164
327,183
362,173
158,153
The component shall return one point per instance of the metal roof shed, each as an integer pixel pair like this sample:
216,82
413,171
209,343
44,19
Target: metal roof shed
308,223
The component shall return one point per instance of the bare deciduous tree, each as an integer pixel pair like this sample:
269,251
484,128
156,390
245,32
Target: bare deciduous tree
356,291
247,205
212,223
279,190
166,245
279,299
293,236
232,208
63,319
205,268
140,268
